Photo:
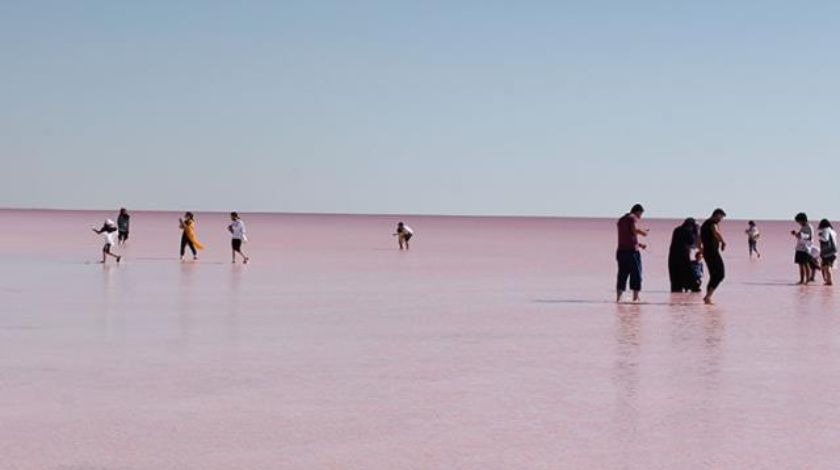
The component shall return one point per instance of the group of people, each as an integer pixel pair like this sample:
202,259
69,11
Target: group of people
690,245
117,234
810,256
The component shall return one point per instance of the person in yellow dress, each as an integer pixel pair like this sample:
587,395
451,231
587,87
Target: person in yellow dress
188,237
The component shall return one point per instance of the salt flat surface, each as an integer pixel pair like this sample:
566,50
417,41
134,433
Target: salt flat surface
494,343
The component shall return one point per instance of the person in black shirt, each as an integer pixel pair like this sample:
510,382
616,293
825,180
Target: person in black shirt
122,226
712,244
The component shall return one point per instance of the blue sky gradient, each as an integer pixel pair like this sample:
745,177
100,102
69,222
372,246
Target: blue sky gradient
465,107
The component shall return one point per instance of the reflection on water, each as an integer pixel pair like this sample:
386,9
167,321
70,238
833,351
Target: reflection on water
712,353
107,316
186,300
625,376
683,385
670,383
826,296
235,276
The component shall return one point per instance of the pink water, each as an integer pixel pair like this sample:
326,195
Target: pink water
492,344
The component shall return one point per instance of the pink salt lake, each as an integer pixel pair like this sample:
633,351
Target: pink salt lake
494,343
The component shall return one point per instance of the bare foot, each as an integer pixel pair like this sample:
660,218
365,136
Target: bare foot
708,301
118,259
246,260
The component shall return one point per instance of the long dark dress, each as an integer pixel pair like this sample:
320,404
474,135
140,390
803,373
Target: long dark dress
679,260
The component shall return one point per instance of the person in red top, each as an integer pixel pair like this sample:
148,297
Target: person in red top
627,255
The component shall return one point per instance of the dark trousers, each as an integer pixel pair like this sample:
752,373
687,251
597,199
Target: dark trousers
629,266
185,242
717,270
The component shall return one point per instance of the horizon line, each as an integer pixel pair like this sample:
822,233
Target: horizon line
368,214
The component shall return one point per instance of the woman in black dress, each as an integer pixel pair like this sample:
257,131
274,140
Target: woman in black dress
683,240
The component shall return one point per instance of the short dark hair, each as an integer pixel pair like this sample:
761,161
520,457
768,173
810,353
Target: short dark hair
824,223
751,222
801,217
189,214
637,209
234,214
719,212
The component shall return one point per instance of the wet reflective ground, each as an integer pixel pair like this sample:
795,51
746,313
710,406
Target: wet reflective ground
494,343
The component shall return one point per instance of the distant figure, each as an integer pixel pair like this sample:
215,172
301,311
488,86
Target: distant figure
711,245
828,249
804,242
122,226
627,255
188,237
109,232
237,233
403,234
683,241
752,238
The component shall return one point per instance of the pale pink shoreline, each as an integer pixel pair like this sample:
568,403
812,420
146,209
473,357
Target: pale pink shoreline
492,344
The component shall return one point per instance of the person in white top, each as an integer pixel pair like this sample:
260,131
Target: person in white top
403,234
109,233
237,234
804,244
828,249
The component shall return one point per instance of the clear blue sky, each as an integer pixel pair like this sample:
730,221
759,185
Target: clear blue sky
444,107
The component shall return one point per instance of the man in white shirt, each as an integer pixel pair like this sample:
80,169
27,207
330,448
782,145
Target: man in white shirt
237,233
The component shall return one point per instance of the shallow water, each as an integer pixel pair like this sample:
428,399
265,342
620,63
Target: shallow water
493,343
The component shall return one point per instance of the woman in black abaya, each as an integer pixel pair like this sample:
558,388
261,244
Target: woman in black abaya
683,240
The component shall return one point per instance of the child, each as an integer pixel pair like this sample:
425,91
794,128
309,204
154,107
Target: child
403,234
804,242
752,238
697,270
188,237
109,232
237,233
122,226
828,249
